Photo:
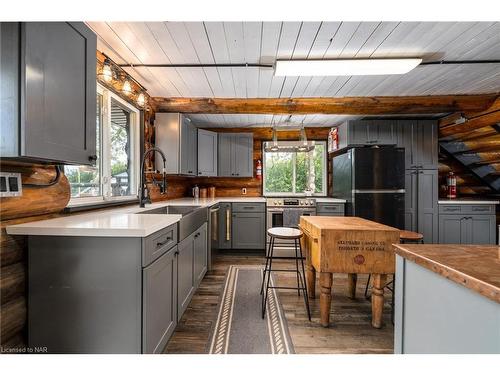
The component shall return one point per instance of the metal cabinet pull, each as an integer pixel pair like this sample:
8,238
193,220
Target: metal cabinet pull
160,244
228,225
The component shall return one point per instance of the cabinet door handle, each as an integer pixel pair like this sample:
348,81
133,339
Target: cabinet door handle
176,252
160,244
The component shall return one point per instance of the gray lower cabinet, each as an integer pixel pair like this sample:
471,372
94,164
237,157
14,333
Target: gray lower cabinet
467,229
111,294
159,283
200,254
330,209
249,230
235,155
185,275
242,226
48,91
191,266
421,203
207,153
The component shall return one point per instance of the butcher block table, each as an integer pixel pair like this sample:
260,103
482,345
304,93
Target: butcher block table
349,245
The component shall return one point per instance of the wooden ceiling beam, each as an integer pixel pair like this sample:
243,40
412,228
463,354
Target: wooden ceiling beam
375,105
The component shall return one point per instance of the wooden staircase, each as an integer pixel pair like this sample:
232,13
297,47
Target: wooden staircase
471,149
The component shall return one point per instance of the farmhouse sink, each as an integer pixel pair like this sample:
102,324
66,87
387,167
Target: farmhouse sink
192,217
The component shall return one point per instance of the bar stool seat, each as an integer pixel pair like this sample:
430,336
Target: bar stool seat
409,236
293,235
285,233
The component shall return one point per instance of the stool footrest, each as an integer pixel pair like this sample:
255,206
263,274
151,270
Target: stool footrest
280,270
287,287
288,258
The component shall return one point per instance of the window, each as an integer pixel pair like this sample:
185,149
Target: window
116,172
292,173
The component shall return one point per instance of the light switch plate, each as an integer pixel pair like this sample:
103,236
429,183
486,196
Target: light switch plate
10,184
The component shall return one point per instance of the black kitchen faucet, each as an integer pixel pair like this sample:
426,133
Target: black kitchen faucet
144,196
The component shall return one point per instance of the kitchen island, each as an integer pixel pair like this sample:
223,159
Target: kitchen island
447,299
349,245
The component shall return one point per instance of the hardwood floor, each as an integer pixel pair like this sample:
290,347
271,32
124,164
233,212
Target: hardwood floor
350,330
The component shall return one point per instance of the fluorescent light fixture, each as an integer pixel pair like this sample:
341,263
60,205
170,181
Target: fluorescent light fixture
348,67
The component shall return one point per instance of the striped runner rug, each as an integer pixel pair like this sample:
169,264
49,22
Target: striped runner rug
239,328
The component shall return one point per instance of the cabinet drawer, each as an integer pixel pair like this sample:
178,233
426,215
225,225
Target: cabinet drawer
479,209
158,243
330,208
450,209
249,207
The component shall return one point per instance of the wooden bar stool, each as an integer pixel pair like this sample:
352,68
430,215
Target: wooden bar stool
405,236
291,234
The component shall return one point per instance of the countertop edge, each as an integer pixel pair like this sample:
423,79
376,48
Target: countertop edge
479,286
465,201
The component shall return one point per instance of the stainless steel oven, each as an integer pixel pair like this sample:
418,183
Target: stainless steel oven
286,212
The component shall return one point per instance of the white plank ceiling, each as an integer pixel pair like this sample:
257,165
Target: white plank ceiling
264,42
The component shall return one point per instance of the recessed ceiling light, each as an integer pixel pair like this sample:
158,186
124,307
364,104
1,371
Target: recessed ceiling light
347,67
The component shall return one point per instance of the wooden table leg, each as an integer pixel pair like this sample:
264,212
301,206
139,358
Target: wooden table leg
378,299
352,279
325,297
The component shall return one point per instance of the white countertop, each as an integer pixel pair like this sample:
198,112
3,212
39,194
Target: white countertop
329,200
117,222
464,201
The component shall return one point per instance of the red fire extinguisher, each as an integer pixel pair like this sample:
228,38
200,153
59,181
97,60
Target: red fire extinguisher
259,170
451,182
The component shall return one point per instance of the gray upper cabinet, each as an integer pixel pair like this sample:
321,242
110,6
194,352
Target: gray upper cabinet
177,137
421,203
48,102
367,132
159,302
235,155
200,254
207,153
420,140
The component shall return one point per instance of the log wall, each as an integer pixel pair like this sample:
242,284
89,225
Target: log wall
227,186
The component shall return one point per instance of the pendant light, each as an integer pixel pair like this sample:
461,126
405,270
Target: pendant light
274,147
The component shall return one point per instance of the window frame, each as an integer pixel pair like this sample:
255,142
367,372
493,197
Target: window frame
105,151
294,193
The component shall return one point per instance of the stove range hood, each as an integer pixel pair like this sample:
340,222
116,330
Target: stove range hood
302,145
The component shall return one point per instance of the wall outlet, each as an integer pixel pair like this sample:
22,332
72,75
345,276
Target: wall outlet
244,191
10,185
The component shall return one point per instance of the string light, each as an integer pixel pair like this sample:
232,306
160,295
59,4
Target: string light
106,72
141,99
127,88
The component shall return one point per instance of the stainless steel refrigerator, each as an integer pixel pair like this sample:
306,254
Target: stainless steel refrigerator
371,180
